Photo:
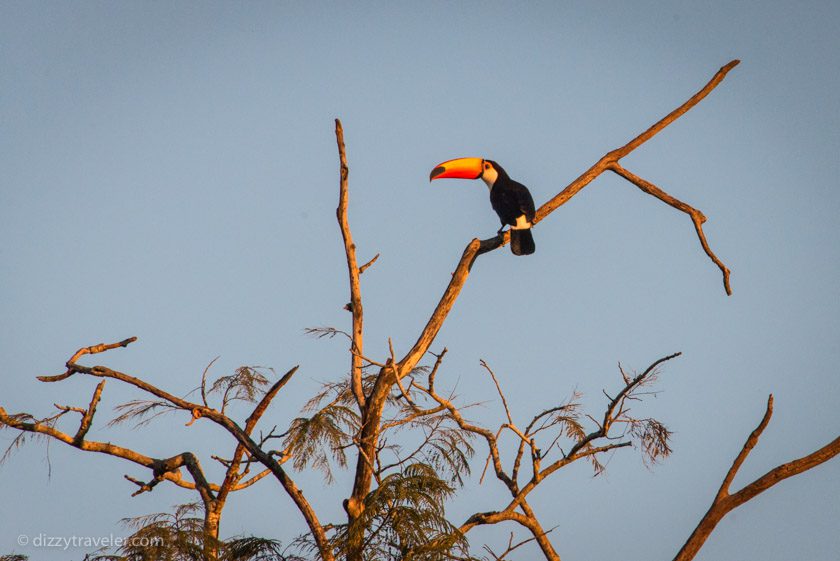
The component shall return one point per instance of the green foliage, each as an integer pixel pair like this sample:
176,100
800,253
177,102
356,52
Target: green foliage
251,548
179,536
316,439
444,447
449,451
163,536
404,518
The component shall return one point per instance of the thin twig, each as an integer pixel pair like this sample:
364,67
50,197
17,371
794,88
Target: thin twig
392,364
204,382
364,267
499,389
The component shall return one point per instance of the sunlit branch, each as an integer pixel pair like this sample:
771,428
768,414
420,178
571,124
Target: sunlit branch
353,269
724,501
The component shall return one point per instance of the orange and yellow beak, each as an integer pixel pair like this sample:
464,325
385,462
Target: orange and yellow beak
461,168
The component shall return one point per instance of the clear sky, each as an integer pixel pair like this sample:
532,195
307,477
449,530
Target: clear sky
168,170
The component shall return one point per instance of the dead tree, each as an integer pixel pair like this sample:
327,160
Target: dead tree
395,507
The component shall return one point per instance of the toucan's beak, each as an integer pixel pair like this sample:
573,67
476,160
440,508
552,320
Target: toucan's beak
462,168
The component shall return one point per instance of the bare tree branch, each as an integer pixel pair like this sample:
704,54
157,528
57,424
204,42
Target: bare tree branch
724,501
204,381
93,349
352,269
364,267
499,391
697,217
87,415
232,474
615,155
511,547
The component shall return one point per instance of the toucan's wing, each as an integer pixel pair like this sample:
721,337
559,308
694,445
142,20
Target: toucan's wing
523,199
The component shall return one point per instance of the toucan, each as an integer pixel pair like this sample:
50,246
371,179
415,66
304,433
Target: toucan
511,200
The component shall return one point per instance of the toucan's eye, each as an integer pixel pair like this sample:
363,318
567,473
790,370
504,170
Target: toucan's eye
486,166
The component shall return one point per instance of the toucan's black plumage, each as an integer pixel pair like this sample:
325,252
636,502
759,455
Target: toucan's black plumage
513,203
510,199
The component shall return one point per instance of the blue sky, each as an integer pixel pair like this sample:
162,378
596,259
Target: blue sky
169,171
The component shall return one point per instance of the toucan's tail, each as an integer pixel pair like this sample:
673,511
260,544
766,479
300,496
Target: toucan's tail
522,242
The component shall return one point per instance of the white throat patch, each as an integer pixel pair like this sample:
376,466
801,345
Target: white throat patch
490,176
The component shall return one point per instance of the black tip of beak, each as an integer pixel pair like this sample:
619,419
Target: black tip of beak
437,171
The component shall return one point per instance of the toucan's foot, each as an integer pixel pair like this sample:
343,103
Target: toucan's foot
500,230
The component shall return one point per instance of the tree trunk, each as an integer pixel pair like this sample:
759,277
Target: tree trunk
212,519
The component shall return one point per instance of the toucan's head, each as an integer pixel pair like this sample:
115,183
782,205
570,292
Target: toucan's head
468,168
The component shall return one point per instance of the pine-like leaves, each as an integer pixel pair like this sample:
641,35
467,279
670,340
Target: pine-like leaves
141,411
404,518
23,436
245,384
251,548
179,536
322,437
163,536
653,438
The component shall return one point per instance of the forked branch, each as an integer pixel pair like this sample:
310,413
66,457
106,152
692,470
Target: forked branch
724,501
697,217
93,349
